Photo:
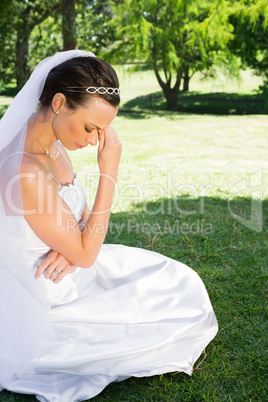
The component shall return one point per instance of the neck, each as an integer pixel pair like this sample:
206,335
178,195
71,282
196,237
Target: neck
40,124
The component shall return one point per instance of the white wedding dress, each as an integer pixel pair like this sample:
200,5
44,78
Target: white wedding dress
134,313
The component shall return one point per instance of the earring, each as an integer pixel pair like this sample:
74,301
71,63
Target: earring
57,112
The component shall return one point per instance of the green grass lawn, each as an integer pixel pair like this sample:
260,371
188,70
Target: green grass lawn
195,188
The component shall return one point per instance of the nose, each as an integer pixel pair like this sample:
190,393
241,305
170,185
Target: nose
92,138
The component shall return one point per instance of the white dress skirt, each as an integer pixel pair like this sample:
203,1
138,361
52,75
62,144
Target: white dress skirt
134,313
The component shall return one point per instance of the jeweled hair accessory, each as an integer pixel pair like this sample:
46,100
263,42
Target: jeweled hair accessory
94,90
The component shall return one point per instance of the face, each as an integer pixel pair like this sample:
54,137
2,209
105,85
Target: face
78,129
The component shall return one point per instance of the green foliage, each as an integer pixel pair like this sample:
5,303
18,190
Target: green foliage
45,40
15,33
250,41
7,42
94,31
39,22
177,38
172,36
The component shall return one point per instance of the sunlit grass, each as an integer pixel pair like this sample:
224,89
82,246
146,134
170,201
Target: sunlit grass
5,100
169,155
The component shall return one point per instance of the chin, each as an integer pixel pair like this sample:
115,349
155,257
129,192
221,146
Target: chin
70,147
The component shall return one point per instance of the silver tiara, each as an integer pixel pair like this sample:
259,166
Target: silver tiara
94,90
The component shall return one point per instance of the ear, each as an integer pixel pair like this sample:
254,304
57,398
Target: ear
58,101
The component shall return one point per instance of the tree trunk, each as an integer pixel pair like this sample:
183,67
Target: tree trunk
172,98
68,24
171,94
29,18
22,55
186,80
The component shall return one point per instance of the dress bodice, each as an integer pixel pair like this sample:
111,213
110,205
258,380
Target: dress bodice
74,196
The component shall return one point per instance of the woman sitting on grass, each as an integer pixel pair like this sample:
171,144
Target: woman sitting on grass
78,314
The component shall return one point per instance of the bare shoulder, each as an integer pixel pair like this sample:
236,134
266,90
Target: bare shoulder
30,164
37,185
33,173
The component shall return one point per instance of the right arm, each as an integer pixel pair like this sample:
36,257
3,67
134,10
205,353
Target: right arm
53,222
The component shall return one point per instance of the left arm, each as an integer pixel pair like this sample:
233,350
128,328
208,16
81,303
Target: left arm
55,260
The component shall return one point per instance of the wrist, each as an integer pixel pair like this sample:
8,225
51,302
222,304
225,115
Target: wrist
109,175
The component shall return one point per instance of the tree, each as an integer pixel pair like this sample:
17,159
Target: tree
45,40
7,45
26,14
68,24
175,37
39,28
250,41
95,33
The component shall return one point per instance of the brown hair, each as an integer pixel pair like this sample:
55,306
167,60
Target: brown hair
80,72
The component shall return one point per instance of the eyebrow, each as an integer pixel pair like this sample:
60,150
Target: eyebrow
91,124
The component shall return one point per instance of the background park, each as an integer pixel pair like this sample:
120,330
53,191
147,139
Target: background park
193,181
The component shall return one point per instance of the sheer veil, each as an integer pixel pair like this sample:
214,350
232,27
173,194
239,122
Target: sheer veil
25,330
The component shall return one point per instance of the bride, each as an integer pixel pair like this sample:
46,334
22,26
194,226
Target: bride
76,314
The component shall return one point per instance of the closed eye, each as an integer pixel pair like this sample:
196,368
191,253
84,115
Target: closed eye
87,130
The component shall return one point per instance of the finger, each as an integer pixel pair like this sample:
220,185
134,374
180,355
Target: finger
45,264
56,266
69,270
112,134
59,278
109,135
55,274
101,139
113,137
58,263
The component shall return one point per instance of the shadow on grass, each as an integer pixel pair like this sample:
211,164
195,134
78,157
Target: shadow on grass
197,103
3,109
9,90
144,107
231,259
210,219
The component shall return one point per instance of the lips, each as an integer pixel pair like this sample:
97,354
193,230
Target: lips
79,146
